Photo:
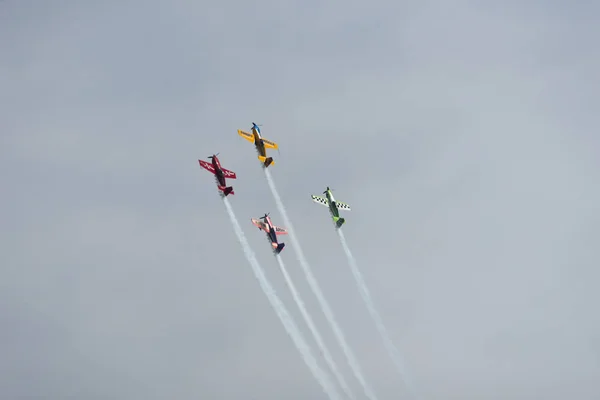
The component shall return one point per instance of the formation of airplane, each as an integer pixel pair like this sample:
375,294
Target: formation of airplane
264,223
334,206
260,143
271,230
220,174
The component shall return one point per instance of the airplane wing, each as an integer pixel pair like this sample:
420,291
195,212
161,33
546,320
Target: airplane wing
228,174
269,144
320,200
342,206
207,165
279,230
259,224
248,136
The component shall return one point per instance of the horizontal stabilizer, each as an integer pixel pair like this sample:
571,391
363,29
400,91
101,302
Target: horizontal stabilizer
342,206
226,190
266,161
320,200
339,221
277,249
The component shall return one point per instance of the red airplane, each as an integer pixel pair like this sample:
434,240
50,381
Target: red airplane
220,174
272,232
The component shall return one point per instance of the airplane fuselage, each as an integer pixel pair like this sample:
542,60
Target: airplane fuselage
218,171
271,232
258,142
264,224
331,203
272,235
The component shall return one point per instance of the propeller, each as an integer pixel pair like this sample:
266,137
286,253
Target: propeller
213,156
265,216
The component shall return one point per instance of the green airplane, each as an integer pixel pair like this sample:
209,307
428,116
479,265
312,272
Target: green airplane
334,206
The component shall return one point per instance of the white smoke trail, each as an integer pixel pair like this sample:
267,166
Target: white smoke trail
364,291
317,291
314,330
282,312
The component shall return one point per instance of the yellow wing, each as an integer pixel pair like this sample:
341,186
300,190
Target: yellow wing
269,144
248,136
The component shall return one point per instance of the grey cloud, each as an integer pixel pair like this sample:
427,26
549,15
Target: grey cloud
462,136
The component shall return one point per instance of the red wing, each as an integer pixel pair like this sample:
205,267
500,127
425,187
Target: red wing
259,224
207,166
280,231
228,174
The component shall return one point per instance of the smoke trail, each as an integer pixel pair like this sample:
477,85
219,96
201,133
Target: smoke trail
317,291
282,313
364,291
314,330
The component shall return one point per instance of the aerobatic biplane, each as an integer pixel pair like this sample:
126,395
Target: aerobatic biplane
260,143
271,230
334,206
220,174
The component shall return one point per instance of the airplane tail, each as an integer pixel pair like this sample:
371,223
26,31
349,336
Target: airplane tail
277,249
266,160
226,190
339,221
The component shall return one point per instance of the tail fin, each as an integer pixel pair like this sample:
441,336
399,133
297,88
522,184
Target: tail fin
266,160
280,247
226,190
339,221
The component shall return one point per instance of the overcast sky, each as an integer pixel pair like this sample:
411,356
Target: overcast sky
464,135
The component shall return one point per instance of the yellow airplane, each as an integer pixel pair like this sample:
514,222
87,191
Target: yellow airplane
260,143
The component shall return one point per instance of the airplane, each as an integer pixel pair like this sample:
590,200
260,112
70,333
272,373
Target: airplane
220,174
334,206
271,230
260,143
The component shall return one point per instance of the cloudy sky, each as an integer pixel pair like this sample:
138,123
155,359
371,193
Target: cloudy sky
464,135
